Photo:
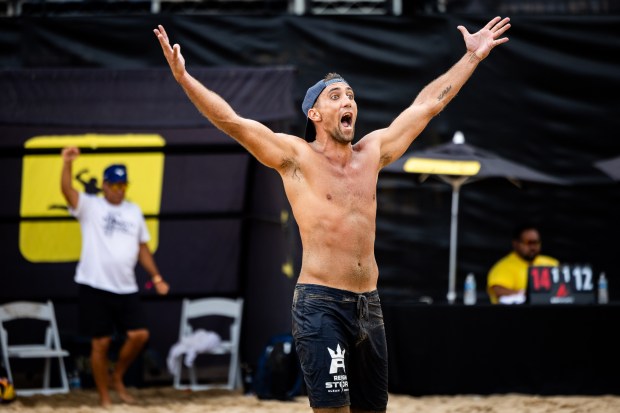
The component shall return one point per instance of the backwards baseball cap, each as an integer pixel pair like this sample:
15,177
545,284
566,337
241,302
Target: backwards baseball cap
312,94
115,173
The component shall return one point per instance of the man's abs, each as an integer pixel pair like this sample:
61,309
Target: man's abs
342,271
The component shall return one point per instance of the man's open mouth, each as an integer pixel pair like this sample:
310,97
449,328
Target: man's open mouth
346,120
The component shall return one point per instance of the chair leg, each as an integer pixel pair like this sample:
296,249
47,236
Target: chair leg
46,373
232,372
178,373
63,375
192,377
8,369
239,380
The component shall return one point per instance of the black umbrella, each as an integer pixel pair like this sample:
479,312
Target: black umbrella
458,163
610,166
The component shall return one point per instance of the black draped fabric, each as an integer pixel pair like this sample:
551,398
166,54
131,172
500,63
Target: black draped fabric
136,98
546,99
454,349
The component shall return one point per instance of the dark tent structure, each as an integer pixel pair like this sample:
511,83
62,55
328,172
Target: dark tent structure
546,100
611,167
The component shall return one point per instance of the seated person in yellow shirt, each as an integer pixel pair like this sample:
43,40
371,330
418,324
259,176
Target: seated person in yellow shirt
507,280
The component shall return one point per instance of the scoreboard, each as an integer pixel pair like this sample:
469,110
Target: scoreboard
565,284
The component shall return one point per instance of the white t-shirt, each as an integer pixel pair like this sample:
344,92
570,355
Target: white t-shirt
111,236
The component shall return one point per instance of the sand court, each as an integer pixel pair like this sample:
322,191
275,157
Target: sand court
169,400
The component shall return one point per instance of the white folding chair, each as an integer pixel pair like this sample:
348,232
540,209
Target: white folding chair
212,307
48,348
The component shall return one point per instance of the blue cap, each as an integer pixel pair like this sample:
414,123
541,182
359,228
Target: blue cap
312,94
115,173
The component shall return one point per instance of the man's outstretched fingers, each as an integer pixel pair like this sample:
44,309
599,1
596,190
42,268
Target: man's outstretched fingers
501,30
492,22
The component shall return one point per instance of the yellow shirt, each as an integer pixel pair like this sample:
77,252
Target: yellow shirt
511,272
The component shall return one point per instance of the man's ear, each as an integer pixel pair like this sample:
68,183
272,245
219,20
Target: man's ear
314,114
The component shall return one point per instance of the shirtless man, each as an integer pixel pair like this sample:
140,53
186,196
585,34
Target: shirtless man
331,186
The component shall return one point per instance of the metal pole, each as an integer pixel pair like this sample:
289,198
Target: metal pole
397,7
454,223
298,7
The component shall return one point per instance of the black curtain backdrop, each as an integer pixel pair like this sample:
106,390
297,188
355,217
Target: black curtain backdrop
217,234
547,99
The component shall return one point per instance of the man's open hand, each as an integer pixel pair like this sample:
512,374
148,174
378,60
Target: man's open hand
172,53
482,42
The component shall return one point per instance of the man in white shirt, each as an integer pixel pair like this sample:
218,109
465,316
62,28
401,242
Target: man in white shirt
114,239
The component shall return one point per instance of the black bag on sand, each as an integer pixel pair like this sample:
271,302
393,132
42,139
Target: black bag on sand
278,373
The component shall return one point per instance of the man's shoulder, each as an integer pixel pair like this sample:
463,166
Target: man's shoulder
369,148
546,260
371,138
507,260
86,198
131,205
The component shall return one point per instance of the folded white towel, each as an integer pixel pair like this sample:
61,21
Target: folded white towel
518,298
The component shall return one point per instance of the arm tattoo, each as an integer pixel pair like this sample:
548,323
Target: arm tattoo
474,57
444,92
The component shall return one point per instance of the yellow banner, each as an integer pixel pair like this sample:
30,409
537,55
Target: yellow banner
59,240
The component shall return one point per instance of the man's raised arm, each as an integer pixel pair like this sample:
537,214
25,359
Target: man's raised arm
69,155
436,95
268,147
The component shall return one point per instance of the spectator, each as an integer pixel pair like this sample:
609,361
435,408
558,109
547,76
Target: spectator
507,279
114,237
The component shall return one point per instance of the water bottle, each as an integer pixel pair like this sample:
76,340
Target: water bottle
603,295
74,381
469,294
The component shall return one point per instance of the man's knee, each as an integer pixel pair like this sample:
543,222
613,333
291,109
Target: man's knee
140,336
100,345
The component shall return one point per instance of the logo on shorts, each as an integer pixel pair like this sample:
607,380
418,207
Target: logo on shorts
337,360
339,382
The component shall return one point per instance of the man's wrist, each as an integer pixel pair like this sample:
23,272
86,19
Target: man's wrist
473,57
157,279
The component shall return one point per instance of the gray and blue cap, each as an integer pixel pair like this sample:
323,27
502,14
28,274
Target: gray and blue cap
310,99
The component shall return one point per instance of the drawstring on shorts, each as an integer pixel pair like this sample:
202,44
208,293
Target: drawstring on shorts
362,307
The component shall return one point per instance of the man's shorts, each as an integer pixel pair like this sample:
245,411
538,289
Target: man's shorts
340,339
103,313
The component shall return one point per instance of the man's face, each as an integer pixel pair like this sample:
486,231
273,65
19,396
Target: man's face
528,246
338,111
114,193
